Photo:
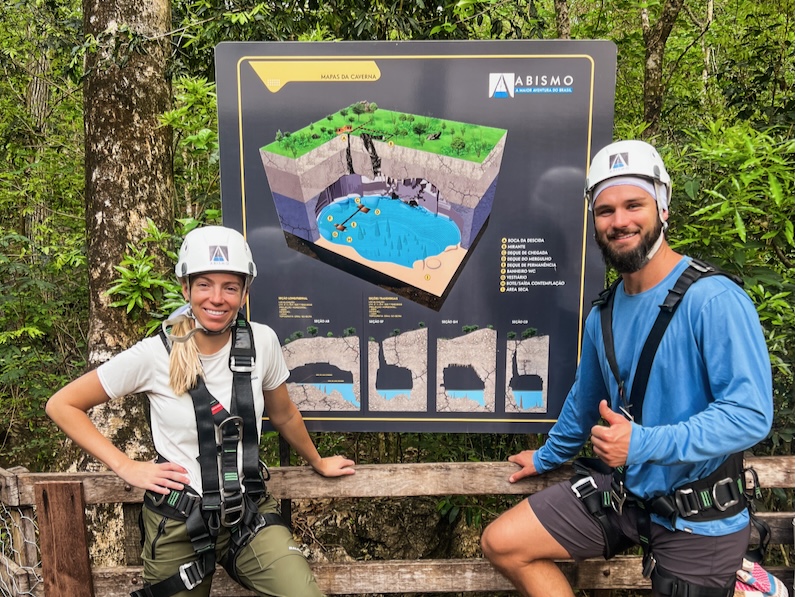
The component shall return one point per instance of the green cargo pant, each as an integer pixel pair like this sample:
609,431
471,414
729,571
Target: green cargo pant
271,565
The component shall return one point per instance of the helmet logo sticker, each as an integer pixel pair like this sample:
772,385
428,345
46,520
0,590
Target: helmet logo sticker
219,254
618,161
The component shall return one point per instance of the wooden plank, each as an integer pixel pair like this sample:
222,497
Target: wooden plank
98,488
9,486
23,536
406,576
132,534
66,567
780,524
371,480
12,575
402,480
773,471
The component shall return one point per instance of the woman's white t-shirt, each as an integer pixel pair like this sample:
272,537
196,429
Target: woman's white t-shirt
143,368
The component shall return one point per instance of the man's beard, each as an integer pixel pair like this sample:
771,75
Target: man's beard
628,262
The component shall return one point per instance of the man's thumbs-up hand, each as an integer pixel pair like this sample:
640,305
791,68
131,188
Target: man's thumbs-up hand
611,442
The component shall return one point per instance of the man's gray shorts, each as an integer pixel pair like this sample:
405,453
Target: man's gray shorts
707,561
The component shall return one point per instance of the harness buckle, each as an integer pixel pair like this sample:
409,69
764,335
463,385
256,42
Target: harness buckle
237,508
649,564
158,498
260,522
192,574
625,411
584,487
241,364
237,423
617,498
686,502
732,501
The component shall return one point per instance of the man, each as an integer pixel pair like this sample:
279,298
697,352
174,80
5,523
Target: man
708,396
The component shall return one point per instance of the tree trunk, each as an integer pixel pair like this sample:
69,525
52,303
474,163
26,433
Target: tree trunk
562,21
655,37
37,101
129,179
707,49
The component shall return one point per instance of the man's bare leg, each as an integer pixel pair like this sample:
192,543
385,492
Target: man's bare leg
522,550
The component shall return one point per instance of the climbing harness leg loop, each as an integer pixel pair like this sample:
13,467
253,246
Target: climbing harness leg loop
192,574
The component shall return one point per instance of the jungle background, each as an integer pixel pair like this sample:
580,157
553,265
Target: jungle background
109,153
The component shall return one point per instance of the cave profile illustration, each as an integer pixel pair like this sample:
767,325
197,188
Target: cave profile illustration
325,377
399,200
462,381
527,389
391,380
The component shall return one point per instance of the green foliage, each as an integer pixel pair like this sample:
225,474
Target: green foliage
391,127
147,293
194,123
755,80
735,208
42,338
43,303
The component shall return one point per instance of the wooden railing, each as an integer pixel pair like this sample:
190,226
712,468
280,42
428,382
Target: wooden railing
59,501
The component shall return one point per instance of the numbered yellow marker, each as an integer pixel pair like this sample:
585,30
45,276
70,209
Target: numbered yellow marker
349,239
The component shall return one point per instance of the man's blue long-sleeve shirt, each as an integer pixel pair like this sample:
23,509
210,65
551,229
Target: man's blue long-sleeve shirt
709,393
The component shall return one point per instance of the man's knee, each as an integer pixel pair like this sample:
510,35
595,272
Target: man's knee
518,538
500,541
488,544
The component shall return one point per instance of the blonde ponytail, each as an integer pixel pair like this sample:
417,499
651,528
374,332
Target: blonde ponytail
184,366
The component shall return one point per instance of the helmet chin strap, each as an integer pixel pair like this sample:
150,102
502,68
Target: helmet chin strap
656,246
186,312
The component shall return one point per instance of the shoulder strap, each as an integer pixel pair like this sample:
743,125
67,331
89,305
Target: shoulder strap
241,422
241,361
696,270
605,304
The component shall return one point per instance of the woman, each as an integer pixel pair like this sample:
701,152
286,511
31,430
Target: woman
209,377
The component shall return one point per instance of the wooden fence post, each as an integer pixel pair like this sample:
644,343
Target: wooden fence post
23,529
63,538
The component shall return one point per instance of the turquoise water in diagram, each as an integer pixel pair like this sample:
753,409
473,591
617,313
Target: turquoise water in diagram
384,229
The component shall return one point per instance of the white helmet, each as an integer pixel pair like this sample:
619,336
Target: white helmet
630,158
215,249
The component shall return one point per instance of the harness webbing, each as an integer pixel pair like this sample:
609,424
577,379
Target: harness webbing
223,503
696,270
241,363
720,495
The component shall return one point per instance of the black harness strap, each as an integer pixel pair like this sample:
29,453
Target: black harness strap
241,362
720,495
223,504
696,270
670,586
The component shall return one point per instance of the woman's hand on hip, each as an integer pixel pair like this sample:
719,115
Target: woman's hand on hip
157,477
